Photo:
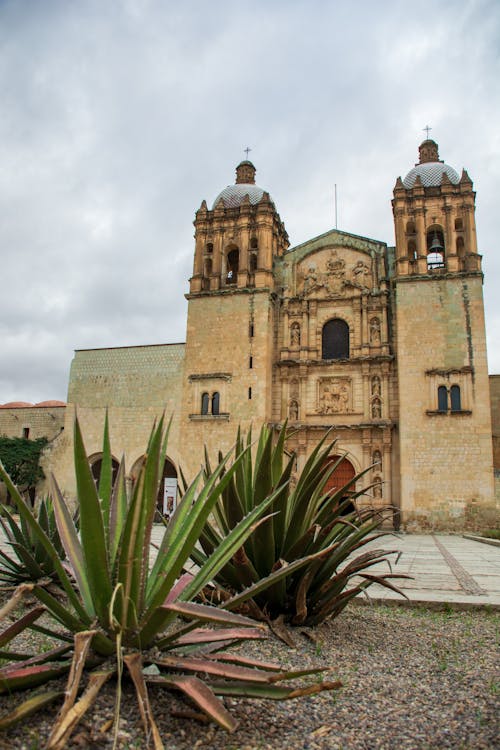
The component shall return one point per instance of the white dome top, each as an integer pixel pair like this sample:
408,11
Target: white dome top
431,174
233,195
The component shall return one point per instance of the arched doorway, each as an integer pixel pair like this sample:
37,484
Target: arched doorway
342,475
95,462
166,500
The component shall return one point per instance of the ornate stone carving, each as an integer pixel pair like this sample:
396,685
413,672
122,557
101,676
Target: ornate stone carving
329,282
361,275
293,411
334,396
377,459
375,331
377,487
295,335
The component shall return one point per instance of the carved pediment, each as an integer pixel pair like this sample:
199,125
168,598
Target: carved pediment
334,272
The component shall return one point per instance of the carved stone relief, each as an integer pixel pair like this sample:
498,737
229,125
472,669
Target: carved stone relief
377,487
331,278
375,331
295,334
334,396
293,411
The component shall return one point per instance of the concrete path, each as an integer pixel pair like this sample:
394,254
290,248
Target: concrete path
447,570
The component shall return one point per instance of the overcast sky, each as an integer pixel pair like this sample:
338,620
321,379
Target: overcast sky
117,117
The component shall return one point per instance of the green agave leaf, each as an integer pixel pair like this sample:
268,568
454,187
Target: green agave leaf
270,692
92,531
19,678
117,514
29,707
32,523
106,476
72,547
19,625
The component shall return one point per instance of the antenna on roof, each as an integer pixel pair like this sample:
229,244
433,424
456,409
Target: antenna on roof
335,205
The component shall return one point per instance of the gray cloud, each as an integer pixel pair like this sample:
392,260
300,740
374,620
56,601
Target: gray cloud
119,118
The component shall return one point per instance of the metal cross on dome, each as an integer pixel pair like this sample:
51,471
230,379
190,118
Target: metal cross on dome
247,151
427,130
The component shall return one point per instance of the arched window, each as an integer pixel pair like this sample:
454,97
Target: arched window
435,248
459,225
410,227
335,340
412,249
253,262
204,403
233,260
455,401
442,398
215,403
210,247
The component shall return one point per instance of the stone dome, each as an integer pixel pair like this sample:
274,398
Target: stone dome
431,173
234,195
430,168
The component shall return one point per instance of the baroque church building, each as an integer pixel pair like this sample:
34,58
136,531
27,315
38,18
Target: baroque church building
382,346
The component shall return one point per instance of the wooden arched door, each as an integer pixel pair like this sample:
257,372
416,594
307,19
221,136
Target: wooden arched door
343,474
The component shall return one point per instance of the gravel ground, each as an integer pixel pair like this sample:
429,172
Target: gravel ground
411,679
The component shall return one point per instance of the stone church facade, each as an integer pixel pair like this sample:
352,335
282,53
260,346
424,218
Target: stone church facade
384,347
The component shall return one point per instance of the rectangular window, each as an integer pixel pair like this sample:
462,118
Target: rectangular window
250,363
26,433
250,392
251,331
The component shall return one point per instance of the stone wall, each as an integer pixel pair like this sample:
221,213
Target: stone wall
136,385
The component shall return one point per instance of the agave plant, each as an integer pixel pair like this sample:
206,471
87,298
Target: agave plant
122,611
30,561
305,522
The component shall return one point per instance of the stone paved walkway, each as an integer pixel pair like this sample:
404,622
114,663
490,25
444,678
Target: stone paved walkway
446,569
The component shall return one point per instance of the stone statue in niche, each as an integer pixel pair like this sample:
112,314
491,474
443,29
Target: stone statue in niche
375,331
295,335
376,408
377,458
293,411
361,275
334,396
377,487
376,386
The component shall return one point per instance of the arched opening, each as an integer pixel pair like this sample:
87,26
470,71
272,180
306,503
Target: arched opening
455,400
166,500
459,225
204,403
341,476
410,227
233,260
96,466
215,403
253,262
335,340
412,250
210,247
435,247
208,266
442,398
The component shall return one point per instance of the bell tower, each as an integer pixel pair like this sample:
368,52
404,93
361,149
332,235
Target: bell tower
231,315
444,407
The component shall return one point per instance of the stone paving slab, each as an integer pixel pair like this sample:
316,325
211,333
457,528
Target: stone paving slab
448,570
